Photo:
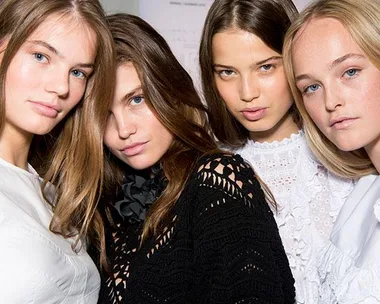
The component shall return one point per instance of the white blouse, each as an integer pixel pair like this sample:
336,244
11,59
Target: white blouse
350,264
308,201
36,265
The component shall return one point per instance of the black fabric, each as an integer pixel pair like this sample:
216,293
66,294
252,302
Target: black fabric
221,246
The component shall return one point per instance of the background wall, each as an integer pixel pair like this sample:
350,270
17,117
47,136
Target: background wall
180,22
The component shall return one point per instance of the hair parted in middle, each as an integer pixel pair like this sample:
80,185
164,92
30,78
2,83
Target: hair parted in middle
170,94
361,20
267,19
73,160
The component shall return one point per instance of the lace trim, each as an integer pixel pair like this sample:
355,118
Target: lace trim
343,282
303,192
293,139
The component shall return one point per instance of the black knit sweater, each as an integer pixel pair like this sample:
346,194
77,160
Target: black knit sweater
221,246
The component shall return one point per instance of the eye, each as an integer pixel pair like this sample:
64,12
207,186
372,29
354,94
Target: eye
40,57
78,74
351,72
136,100
311,89
225,73
266,67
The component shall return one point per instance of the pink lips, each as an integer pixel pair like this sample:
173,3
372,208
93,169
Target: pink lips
46,109
134,149
341,123
254,114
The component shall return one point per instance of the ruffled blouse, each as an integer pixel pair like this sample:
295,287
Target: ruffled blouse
308,200
349,267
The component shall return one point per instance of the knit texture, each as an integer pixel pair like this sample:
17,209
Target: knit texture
221,246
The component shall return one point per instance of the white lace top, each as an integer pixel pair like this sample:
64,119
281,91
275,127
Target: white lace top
349,266
308,200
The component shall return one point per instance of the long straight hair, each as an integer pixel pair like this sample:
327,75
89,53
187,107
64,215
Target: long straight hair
361,20
172,97
74,163
268,20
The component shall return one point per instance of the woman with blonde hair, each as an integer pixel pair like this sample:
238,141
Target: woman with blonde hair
253,114
56,73
332,59
191,223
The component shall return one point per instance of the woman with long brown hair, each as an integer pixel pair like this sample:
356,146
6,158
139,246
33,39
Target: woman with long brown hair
191,224
56,75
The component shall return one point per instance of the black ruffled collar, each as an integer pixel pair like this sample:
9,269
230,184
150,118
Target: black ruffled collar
140,191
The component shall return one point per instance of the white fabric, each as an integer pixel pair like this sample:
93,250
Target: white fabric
308,198
37,266
350,265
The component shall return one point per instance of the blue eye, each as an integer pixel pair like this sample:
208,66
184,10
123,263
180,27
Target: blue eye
351,72
40,57
136,100
78,74
266,67
311,88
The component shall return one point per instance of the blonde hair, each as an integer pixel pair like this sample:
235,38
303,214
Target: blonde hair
361,20
75,163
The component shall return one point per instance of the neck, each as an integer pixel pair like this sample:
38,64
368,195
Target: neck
373,151
14,148
283,129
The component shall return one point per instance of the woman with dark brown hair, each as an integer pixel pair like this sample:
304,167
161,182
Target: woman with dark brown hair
192,224
252,113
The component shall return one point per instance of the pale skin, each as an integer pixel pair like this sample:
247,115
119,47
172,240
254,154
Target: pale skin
45,81
251,80
133,132
340,86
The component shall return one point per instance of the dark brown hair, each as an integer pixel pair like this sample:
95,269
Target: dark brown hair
268,20
172,97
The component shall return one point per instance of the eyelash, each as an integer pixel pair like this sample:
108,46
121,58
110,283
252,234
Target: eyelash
137,97
36,57
84,75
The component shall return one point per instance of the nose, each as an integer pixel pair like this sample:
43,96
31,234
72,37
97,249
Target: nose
249,88
125,126
58,82
333,99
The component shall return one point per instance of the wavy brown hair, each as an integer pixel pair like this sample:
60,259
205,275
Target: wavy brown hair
361,20
172,97
74,163
268,20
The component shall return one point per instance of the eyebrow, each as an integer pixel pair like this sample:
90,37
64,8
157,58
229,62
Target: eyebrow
333,64
344,58
130,94
56,52
258,63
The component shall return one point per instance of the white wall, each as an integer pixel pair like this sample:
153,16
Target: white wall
126,6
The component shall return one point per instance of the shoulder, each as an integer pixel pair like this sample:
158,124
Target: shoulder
223,176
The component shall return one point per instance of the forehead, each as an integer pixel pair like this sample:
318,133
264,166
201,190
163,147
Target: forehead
229,43
127,80
322,39
62,29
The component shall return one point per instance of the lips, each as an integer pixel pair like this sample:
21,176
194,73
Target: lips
341,122
134,149
46,109
254,114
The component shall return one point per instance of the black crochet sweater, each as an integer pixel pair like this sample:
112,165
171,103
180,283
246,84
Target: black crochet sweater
221,246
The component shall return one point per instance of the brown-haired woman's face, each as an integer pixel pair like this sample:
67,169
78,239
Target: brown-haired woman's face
47,77
250,78
133,133
340,86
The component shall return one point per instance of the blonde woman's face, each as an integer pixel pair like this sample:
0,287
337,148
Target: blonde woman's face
340,86
47,77
133,133
250,78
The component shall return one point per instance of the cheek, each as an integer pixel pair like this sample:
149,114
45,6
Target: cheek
109,136
227,92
